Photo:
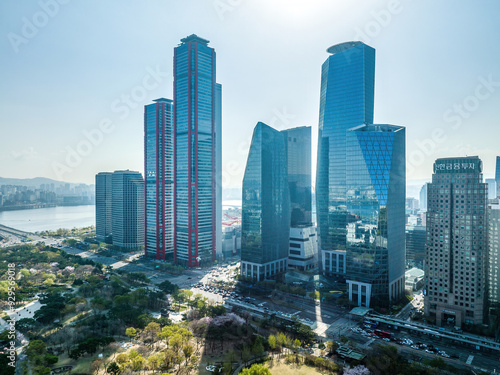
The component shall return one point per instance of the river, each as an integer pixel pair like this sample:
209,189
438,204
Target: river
52,218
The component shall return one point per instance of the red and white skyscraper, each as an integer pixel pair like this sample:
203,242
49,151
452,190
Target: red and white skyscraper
159,179
197,154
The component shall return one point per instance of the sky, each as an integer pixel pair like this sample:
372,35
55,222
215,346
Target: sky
76,76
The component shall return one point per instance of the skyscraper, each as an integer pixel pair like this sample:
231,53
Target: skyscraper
303,239
196,180
497,176
423,197
265,206
103,208
298,154
159,179
128,209
346,101
360,181
494,253
456,246
375,183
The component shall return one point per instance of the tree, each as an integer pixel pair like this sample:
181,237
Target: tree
272,342
131,332
113,368
331,346
256,369
188,351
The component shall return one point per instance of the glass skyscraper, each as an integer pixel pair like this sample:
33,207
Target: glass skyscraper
128,209
103,211
265,206
497,176
347,95
375,187
360,181
159,179
298,151
196,123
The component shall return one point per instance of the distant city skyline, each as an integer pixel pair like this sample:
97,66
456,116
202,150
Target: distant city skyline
72,101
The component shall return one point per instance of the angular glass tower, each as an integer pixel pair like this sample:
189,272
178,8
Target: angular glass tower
195,154
266,206
375,201
159,179
347,95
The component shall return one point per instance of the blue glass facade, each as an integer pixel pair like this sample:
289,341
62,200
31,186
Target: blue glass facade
159,179
375,201
497,175
347,95
265,206
298,152
195,158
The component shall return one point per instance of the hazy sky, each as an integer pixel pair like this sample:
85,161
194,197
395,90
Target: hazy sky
76,75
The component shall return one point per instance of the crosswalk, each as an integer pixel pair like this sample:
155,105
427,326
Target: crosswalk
469,359
321,328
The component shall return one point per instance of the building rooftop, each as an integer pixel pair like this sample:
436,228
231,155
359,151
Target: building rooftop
194,38
414,272
384,128
341,47
163,100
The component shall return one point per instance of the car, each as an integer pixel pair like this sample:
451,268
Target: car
415,347
429,351
386,339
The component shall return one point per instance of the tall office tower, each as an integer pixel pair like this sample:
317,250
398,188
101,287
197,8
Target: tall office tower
456,246
492,188
265,221
298,154
494,253
423,197
218,170
128,209
197,152
415,246
103,209
303,247
159,179
346,101
497,176
375,245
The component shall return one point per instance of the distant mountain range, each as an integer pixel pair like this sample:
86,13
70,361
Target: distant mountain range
32,182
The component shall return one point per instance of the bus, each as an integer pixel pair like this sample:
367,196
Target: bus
370,323
383,334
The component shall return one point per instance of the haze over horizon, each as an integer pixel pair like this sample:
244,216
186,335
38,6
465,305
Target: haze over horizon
77,76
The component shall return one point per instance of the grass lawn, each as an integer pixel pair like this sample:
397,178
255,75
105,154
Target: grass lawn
280,368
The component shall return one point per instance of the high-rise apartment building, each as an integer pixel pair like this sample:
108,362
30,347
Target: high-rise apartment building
128,209
197,127
456,246
103,206
494,253
159,179
360,181
265,206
